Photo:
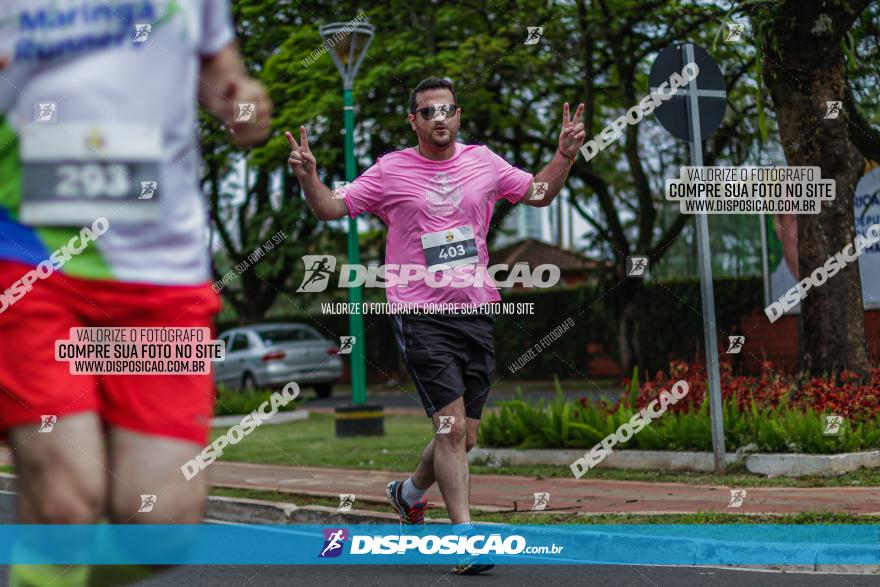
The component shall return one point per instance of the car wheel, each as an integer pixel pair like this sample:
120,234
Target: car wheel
248,383
324,390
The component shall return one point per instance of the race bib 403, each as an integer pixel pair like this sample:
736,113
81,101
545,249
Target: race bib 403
450,248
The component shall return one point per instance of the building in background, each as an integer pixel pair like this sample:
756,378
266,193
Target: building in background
542,224
574,268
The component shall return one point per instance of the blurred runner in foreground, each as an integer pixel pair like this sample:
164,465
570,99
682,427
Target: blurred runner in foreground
102,224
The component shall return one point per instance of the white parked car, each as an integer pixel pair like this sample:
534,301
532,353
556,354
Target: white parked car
272,355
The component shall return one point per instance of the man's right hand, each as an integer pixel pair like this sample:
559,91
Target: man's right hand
319,197
301,160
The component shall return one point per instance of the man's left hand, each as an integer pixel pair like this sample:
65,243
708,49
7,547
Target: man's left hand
572,136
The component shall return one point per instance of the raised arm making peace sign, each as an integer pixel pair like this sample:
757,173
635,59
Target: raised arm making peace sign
301,160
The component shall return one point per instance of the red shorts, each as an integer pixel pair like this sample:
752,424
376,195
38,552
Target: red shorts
33,383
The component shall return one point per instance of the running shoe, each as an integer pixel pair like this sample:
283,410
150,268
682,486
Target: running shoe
473,565
409,514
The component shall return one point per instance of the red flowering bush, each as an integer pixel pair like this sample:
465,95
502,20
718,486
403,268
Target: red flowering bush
844,397
771,413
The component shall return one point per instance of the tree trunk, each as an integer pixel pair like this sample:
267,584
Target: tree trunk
803,68
630,326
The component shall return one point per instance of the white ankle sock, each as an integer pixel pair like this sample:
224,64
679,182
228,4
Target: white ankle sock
410,493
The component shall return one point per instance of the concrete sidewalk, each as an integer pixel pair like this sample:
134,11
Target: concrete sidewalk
583,496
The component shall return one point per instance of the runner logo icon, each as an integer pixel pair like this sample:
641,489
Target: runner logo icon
832,425
48,423
833,109
142,32
534,35
443,111
147,503
737,497
346,344
333,541
540,190
736,344
346,500
446,423
735,32
541,501
148,188
45,112
318,270
246,111
340,189
636,266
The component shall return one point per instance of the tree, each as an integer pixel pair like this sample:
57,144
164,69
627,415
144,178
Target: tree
251,194
617,43
802,43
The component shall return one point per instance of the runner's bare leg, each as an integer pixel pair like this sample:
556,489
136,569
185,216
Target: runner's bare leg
424,477
61,473
60,480
143,464
450,463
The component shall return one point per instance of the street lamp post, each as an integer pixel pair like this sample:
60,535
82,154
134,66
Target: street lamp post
348,43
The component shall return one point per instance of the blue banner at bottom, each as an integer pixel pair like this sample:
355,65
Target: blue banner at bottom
227,544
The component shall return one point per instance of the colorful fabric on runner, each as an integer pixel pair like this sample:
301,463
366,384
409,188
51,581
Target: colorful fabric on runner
438,215
89,74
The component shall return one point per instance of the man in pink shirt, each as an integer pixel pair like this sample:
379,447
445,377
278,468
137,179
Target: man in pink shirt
436,200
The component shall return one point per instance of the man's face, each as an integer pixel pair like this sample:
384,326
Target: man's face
441,131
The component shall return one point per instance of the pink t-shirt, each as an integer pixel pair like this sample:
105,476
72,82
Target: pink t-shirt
421,200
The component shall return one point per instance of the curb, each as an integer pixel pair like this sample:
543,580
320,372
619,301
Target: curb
708,551
791,465
279,418
365,498
256,511
783,465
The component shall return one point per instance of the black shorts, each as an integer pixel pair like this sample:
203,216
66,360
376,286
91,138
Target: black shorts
448,357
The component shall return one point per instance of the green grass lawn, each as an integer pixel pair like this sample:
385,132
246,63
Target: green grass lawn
313,443
567,517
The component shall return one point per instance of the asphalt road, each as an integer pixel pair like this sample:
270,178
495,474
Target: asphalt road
510,576
506,576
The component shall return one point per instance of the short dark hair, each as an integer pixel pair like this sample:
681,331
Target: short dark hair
431,83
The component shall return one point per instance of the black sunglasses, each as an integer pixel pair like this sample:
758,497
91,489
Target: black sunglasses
429,112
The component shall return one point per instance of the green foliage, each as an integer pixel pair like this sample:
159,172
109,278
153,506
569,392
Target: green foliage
633,388
570,424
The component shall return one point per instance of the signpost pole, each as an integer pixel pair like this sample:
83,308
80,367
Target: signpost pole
707,291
